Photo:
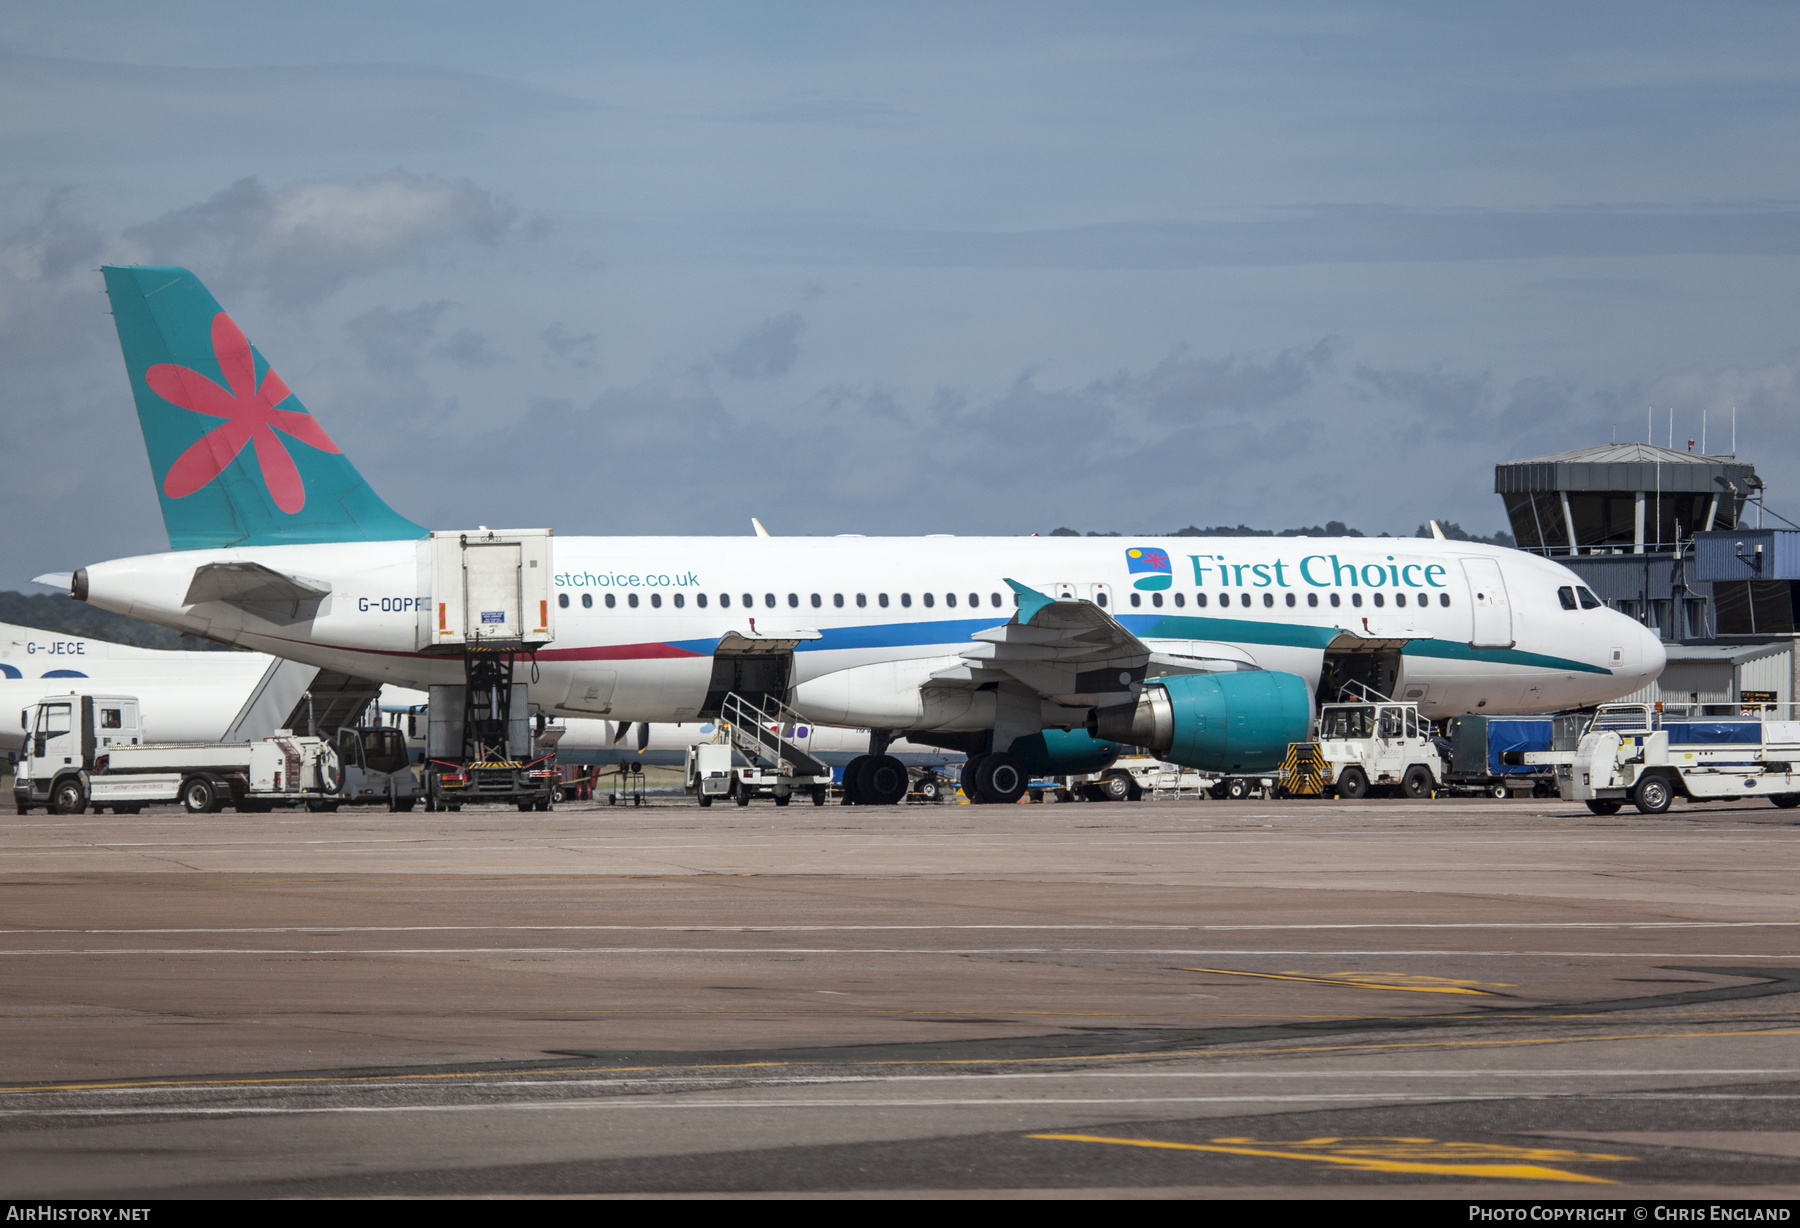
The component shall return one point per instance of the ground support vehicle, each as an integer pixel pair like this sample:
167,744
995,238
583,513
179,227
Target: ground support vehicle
87,750
377,769
1475,749
769,764
926,785
1649,756
1124,780
709,772
1359,749
1237,788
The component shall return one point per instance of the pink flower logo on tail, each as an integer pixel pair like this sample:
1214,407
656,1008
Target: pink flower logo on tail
250,417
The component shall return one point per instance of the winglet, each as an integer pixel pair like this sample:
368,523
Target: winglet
1435,531
1030,601
757,524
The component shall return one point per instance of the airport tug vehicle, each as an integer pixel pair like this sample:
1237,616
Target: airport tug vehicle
1649,755
88,750
1375,746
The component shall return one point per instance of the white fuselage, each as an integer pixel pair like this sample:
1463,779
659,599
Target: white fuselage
890,613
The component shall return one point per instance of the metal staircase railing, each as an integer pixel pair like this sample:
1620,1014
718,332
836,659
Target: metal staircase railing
748,726
1360,692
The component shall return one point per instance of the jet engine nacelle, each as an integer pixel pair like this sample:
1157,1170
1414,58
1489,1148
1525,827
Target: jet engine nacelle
1239,722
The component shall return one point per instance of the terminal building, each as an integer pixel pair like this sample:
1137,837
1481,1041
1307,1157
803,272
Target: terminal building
1681,542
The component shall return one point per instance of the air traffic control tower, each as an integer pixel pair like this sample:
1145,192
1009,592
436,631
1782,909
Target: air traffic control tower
1677,541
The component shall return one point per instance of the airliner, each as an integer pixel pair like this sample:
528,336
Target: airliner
1027,654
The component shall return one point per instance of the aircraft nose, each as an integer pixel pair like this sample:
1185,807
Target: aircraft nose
1652,656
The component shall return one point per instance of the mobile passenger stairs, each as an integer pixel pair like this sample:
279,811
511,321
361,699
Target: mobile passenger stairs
760,730
1650,754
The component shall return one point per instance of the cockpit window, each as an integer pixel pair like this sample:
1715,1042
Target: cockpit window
1566,595
1588,600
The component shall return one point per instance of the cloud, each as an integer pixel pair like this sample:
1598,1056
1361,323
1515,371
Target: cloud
304,241
393,340
768,352
564,346
1189,388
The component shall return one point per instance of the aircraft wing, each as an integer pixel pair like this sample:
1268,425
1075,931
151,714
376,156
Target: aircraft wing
1072,652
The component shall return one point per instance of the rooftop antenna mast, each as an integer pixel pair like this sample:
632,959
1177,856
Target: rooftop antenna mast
1703,432
1671,428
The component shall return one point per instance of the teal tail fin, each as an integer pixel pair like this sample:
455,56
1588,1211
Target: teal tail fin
238,461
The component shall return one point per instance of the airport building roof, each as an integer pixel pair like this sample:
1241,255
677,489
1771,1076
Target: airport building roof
1621,467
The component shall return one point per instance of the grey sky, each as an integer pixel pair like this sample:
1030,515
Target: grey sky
889,269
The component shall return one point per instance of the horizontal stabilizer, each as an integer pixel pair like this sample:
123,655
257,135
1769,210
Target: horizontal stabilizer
250,584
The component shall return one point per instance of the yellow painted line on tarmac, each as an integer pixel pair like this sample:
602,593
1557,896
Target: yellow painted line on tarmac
1348,984
1399,1155
1476,1044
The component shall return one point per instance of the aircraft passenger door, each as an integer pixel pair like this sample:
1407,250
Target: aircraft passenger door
1064,592
1487,599
1100,595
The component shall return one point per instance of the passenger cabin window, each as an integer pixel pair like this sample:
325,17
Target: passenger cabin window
656,601
1588,600
562,601
929,600
1444,599
631,600
1566,595
1136,600
587,601
700,600
837,599
724,601
768,600
611,601
1244,600
817,601
975,600
1156,599
1312,599
950,600
881,600
863,600
1200,600
750,601
680,601
1399,598
996,600
1379,600
1268,600
1290,600
1336,600
1180,600
1100,599
1356,599
793,601
905,600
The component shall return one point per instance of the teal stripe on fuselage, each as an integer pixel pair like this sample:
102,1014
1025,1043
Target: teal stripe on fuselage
1227,630
1444,650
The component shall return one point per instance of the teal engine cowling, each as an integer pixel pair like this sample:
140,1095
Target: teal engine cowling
1241,722
1063,752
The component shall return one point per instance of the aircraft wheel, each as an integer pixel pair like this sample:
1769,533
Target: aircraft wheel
1787,801
852,780
1237,789
1601,805
69,798
1417,782
1352,784
1218,791
881,781
971,766
1001,779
